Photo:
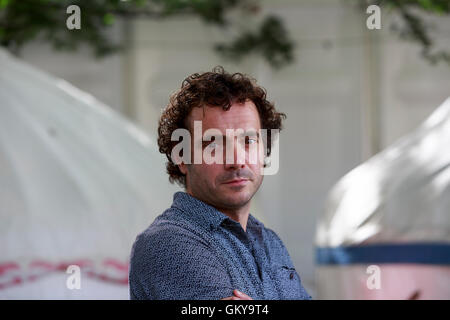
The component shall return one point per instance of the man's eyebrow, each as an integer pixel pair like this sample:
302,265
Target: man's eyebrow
250,132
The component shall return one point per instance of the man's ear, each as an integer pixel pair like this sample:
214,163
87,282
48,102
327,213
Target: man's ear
183,168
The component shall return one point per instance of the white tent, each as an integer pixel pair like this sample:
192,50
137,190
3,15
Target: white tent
77,184
385,233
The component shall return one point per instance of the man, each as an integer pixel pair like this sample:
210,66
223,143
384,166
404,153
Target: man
207,245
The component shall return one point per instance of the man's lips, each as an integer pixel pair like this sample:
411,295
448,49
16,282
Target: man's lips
236,182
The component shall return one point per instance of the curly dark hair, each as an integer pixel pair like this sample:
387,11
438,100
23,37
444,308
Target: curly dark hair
216,88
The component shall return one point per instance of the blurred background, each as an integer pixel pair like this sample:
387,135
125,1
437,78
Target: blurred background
80,172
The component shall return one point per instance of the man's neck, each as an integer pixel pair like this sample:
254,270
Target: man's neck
239,215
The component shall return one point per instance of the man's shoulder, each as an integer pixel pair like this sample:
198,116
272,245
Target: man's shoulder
274,240
270,234
276,245
167,229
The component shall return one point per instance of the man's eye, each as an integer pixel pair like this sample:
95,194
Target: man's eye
250,140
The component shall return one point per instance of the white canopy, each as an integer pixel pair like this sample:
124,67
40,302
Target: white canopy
391,212
78,182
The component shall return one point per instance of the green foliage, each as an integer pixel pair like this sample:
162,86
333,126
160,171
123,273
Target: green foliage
413,26
270,41
24,20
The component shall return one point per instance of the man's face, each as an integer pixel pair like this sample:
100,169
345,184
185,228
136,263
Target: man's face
212,183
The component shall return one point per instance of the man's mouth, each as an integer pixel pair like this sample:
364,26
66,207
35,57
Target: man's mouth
236,182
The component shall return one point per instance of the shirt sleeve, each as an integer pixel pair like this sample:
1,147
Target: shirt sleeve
172,263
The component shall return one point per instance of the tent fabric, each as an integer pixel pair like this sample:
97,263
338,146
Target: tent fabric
392,211
78,182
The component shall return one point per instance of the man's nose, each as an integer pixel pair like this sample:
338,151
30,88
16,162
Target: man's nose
237,160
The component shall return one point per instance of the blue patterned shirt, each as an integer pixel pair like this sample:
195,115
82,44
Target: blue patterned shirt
193,251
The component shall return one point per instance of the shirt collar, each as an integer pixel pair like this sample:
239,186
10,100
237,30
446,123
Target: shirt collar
204,214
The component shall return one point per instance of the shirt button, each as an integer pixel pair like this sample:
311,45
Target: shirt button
291,276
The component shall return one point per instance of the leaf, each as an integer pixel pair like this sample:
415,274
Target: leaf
108,19
3,4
